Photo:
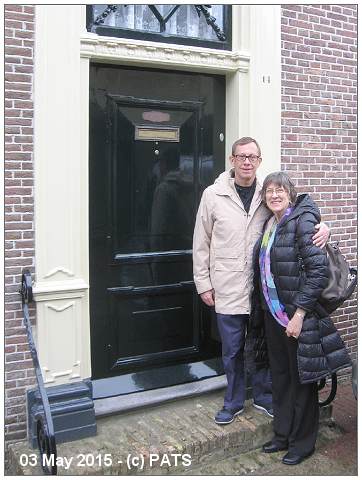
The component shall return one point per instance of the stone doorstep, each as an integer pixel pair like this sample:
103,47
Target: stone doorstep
165,439
255,462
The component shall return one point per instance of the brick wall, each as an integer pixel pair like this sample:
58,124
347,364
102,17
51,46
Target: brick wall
19,226
319,123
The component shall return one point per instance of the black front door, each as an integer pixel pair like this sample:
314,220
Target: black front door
156,141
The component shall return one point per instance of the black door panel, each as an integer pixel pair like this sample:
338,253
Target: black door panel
153,194
162,324
154,147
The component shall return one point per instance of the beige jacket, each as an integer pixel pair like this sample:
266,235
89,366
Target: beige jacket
224,238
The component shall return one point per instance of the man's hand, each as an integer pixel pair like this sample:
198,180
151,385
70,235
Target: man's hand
208,297
321,237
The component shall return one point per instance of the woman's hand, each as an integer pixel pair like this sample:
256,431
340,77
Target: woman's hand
295,324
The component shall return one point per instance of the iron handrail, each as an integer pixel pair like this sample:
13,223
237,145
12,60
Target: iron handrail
44,422
332,393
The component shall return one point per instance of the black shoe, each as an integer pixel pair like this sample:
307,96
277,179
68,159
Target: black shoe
225,416
294,458
271,447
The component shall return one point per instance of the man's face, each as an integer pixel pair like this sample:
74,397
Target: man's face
245,168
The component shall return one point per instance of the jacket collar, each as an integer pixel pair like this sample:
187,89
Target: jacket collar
304,204
225,186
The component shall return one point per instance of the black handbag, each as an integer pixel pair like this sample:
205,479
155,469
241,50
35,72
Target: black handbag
342,279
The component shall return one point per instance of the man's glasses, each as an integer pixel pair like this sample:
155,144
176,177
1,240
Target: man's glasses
252,158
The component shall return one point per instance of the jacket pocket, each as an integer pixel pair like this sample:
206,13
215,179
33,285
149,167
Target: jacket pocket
227,273
228,260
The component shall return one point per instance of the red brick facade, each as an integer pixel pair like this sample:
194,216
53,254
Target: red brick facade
319,150
319,123
19,208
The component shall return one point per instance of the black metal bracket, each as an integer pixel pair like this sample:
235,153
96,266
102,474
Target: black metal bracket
210,20
100,19
332,393
45,428
162,20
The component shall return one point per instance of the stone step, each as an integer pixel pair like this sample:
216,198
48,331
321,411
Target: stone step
172,438
258,463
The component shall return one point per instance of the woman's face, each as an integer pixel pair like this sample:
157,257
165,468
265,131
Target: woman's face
277,199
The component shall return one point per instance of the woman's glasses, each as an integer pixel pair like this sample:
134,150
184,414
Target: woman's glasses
277,191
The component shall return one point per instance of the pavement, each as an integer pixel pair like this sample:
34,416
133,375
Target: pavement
181,438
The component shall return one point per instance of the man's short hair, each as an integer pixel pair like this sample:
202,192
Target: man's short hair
245,141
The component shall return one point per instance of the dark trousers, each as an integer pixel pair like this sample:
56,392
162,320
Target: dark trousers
232,333
295,405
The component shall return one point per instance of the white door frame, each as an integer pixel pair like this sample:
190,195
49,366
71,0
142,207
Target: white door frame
61,118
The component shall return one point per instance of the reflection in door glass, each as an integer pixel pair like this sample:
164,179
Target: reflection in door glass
156,195
172,203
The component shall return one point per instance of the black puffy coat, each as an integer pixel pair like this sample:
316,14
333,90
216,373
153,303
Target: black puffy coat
300,271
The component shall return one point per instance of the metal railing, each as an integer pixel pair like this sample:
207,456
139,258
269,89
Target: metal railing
44,422
332,393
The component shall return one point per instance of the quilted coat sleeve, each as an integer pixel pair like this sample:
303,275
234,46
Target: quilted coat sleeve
313,263
201,244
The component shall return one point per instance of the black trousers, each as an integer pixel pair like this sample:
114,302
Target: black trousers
296,410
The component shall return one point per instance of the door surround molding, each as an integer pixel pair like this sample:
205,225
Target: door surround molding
162,55
61,76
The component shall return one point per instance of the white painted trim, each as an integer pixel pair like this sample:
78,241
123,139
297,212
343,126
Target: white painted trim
61,195
161,55
264,97
61,120
254,107
43,291
62,360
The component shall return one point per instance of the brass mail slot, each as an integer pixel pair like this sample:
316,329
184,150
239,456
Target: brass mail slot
151,134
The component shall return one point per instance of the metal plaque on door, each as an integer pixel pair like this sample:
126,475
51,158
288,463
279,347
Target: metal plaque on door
151,134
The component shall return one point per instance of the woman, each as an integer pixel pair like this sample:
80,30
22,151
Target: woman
290,274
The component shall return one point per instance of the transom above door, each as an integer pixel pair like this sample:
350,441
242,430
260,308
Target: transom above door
203,25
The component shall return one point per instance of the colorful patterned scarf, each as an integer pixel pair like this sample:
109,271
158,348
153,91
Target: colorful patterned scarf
276,308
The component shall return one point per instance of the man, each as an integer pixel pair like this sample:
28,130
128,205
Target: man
230,219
